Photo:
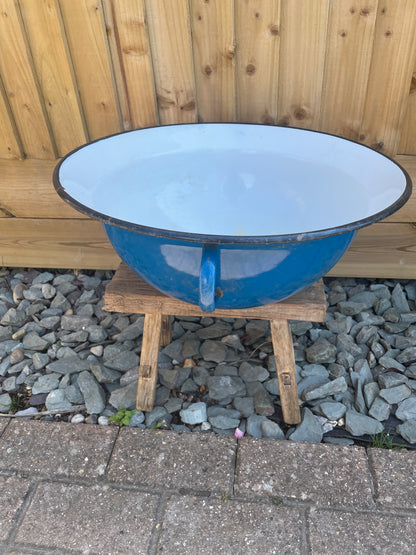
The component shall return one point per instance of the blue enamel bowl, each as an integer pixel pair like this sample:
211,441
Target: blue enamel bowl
229,215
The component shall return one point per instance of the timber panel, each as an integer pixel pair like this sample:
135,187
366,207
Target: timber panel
72,71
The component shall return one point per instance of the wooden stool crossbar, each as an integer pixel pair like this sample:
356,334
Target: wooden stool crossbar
127,293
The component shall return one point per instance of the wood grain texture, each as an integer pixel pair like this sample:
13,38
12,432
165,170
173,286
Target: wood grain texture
349,49
301,62
53,70
10,144
21,87
407,142
87,42
213,51
390,75
126,30
148,361
128,293
26,190
285,369
63,243
168,24
384,250
257,29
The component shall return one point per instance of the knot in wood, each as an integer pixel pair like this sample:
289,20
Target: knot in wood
274,30
208,70
300,113
250,69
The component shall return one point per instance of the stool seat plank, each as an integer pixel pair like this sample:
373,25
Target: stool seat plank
128,293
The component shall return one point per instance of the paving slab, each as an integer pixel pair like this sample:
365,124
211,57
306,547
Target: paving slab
328,475
12,494
97,519
395,477
363,533
210,526
56,449
187,461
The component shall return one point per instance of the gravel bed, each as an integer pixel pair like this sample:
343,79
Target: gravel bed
62,354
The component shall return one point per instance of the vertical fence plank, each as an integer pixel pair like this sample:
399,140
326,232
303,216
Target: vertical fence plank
407,143
350,38
54,74
301,66
20,85
9,141
213,49
172,60
87,43
257,29
390,74
130,52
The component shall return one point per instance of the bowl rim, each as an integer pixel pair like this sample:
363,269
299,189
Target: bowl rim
231,239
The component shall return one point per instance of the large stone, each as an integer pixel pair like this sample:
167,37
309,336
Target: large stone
408,355
214,351
271,429
308,430
45,384
253,372
218,329
33,342
254,425
131,332
391,379
350,308
371,391
221,387
56,399
5,402
332,410
396,394
322,351
13,317
407,409
107,375
123,361
398,299
124,396
408,430
380,409
245,405
359,424
68,365
263,404
346,343
94,395
173,379
339,385
256,329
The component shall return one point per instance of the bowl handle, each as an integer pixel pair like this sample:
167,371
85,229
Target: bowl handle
207,277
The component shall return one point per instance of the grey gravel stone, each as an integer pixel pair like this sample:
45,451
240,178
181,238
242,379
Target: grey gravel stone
391,379
56,400
124,396
68,365
73,394
332,410
5,402
254,425
408,430
308,430
350,308
408,355
45,384
339,385
407,409
396,394
221,387
40,360
106,375
322,351
380,409
200,375
253,372
214,351
218,329
359,424
123,361
245,405
93,393
263,404
156,415
371,391
398,299
271,430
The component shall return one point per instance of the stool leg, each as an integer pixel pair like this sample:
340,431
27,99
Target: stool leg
148,361
285,366
166,335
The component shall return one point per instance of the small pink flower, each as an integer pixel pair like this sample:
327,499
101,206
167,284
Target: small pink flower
238,433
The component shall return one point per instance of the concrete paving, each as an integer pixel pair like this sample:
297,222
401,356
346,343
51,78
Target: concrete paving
68,488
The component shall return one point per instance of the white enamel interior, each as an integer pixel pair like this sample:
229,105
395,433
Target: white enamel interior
236,179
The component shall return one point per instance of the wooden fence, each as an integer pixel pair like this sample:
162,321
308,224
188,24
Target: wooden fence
72,71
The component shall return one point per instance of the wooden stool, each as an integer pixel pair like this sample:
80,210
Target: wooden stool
128,293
